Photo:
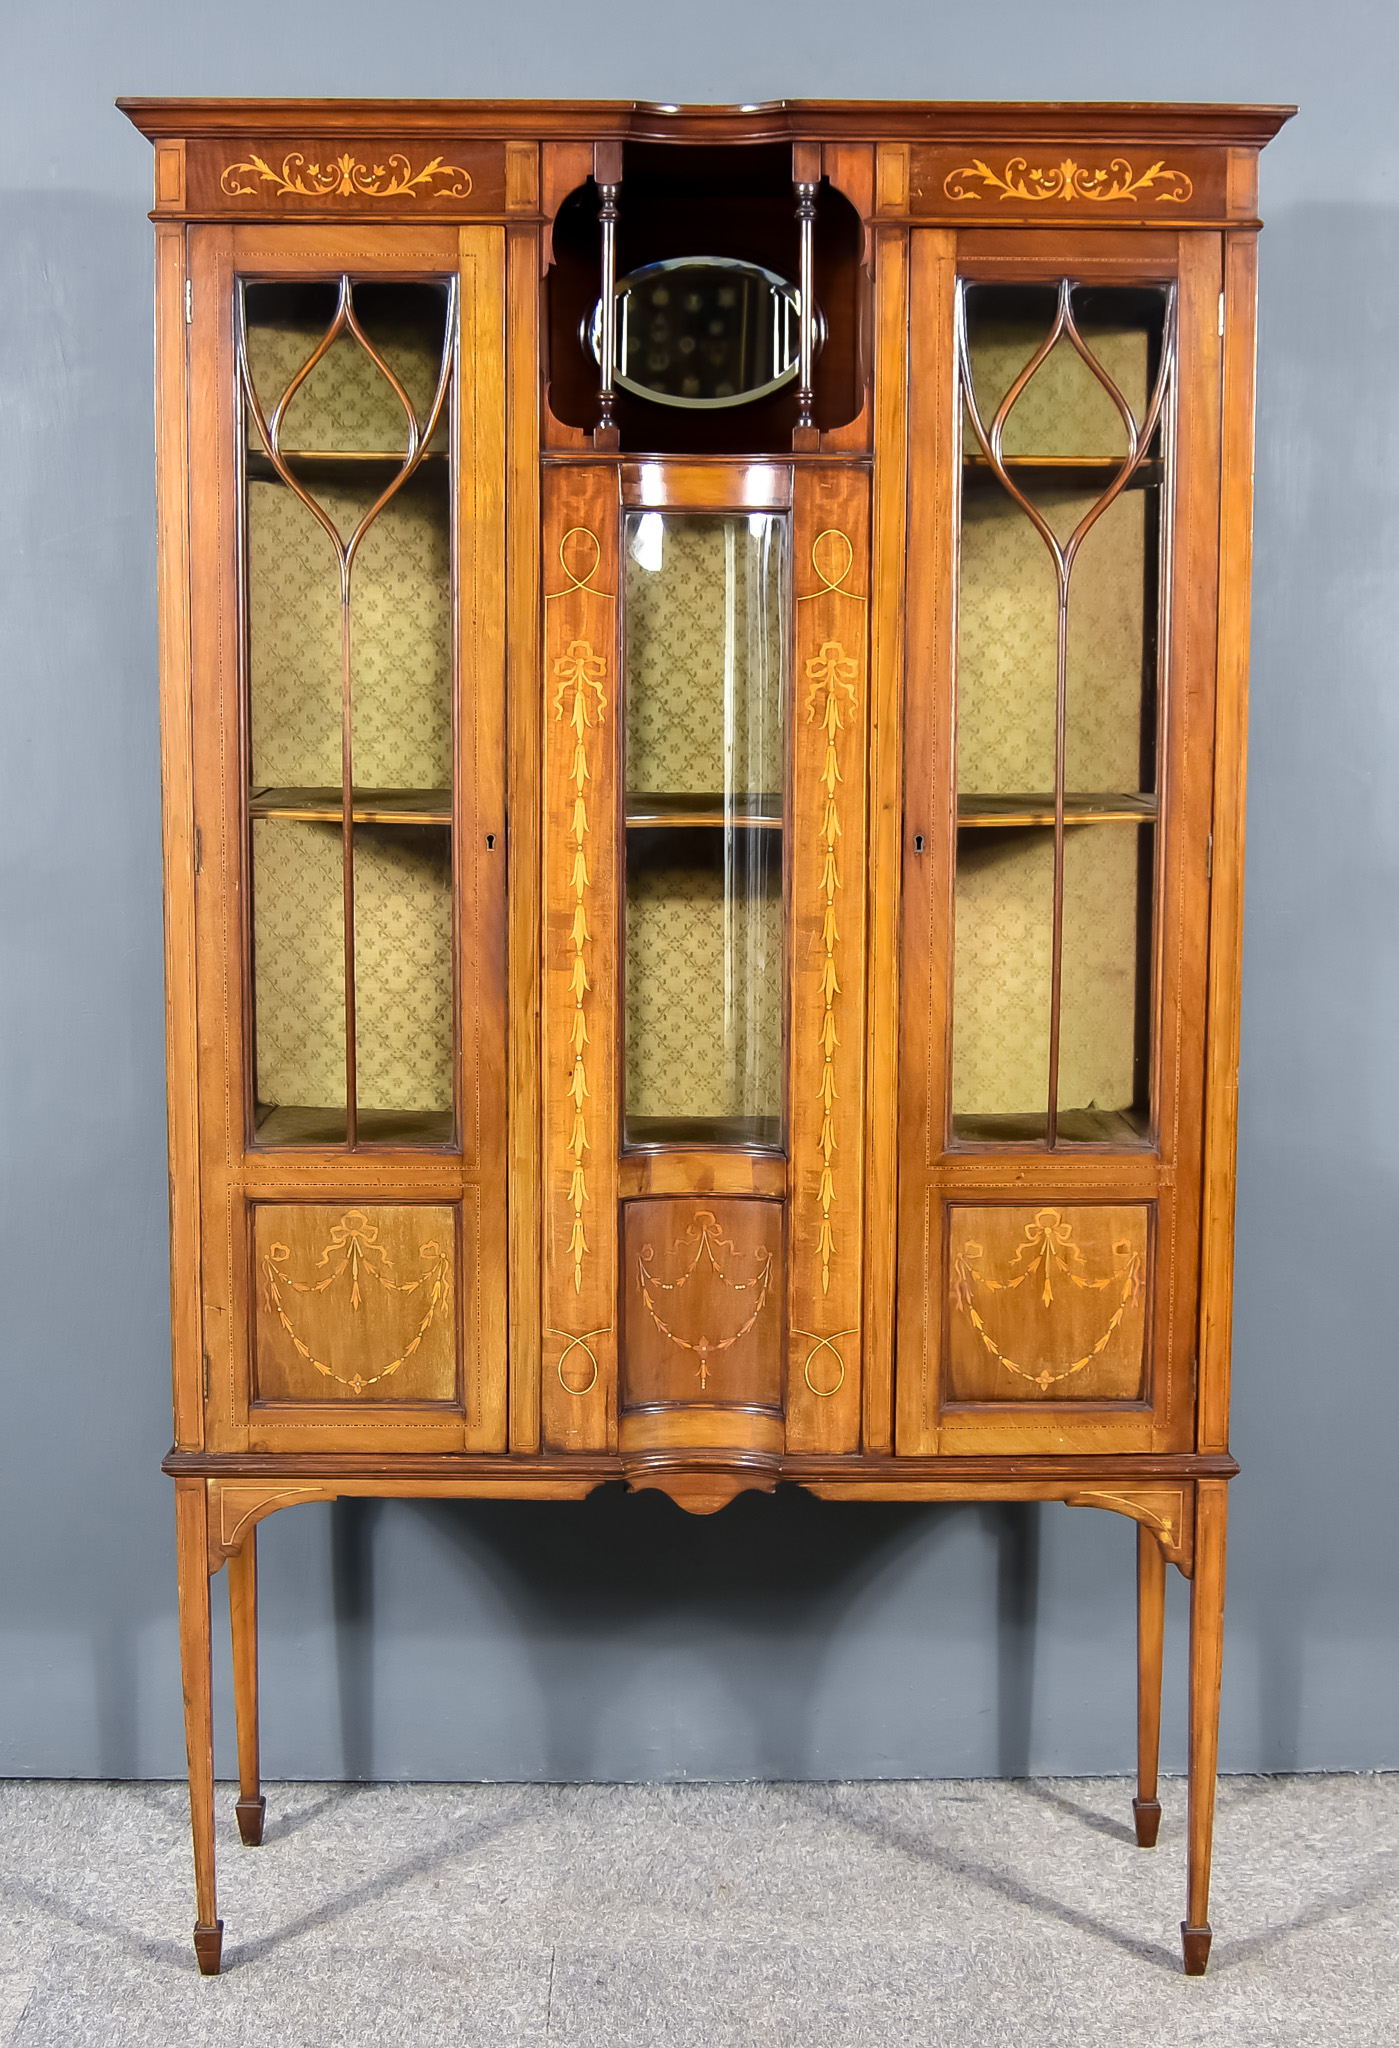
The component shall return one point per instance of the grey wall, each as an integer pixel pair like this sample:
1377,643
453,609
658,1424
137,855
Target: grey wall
619,1638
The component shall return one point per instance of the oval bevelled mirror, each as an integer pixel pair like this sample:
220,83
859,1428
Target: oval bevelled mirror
704,331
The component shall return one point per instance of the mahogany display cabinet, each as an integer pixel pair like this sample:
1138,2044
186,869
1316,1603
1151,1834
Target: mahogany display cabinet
703,680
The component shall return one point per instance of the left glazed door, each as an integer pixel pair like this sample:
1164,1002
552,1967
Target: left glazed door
347,670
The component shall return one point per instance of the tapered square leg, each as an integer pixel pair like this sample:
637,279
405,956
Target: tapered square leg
1206,1653
192,1550
242,1609
1151,1629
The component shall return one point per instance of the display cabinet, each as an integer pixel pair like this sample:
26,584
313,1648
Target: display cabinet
703,692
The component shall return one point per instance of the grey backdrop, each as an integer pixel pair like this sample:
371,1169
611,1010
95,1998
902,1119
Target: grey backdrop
620,1638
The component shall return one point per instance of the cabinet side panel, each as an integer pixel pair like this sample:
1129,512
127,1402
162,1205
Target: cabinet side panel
830,711
887,585
480,568
524,696
1189,740
216,752
181,1044
927,847
579,700
1227,896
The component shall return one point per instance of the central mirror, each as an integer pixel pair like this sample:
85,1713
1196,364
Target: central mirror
704,331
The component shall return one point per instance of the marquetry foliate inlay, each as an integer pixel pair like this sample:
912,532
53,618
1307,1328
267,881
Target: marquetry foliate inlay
1047,1303
354,1304
1101,185
345,177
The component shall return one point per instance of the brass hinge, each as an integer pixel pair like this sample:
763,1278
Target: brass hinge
206,1379
1221,314
198,849
189,300
1209,858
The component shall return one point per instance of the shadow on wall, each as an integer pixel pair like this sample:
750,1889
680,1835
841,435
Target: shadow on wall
754,1601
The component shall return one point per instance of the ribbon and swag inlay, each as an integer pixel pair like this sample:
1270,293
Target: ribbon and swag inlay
1047,1248
354,1253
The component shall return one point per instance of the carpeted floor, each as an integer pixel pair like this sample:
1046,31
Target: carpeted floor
961,1914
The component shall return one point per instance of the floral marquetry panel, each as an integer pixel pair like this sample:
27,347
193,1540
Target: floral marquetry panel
580,1113
1047,1303
829,867
355,1305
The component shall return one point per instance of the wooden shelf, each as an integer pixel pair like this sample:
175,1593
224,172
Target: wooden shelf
371,806
1124,1127
336,462
1065,470
755,812
298,1124
1037,808
696,1133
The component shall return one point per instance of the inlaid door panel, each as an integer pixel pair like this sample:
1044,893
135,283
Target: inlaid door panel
1046,1303
702,1287
355,1305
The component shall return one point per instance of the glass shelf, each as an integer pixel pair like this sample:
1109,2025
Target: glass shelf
756,813
1037,808
1097,470
370,806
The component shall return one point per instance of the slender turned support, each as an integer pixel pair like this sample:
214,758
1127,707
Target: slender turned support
607,170
242,1611
806,224
1206,1650
1151,1628
196,1667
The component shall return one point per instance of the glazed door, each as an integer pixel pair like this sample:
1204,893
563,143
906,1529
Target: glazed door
1064,461
347,559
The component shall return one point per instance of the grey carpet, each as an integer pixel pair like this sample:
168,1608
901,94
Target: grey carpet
605,1916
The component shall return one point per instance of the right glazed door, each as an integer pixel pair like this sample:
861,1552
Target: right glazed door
1064,459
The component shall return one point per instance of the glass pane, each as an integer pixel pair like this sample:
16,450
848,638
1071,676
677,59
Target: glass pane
705,635
403,982
1104,1031
1110,700
704,986
350,661
1002,981
705,627
1006,641
293,637
298,982
1064,391
401,641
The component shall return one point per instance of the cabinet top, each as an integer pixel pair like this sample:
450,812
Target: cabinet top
1006,121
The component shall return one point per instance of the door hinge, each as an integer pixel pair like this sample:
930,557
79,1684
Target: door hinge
189,301
198,849
1221,313
1209,858
206,1379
